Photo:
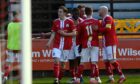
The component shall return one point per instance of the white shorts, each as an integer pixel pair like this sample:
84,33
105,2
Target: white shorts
90,54
13,57
109,53
74,53
61,54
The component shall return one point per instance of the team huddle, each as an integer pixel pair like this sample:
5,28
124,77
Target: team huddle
76,39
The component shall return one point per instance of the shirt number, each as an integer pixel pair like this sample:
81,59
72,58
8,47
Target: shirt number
89,30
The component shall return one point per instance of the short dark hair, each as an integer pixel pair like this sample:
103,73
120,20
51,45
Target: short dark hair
88,11
81,6
76,11
64,9
15,13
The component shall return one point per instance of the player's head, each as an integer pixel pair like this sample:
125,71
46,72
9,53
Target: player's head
75,13
88,11
15,14
62,12
103,11
82,9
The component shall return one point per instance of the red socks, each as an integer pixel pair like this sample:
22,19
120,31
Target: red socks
108,68
72,71
80,71
7,70
61,73
94,70
56,70
117,67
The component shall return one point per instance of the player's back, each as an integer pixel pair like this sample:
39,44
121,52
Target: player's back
87,33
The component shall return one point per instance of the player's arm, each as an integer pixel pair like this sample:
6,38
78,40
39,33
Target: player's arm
6,32
51,39
53,33
108,22
46,34
79,33
79,37
66,33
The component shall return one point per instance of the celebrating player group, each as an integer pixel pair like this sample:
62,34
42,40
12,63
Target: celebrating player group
75,39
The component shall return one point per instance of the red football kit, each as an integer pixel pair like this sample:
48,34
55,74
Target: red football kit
109,43
89,37
108,30
89,41
62,42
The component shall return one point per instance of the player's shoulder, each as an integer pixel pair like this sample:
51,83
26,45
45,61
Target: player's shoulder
91,20
108,17
69,19
10,23
84,21
95,20
13,23
56,20
80,19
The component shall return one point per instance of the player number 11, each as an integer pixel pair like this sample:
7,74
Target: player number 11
89,30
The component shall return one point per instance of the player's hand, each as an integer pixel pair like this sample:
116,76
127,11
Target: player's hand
95,27
48,45
62,32
80,48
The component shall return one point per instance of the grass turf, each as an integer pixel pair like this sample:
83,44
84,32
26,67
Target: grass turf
131,79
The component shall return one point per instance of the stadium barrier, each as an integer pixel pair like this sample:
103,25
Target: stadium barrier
127,25
128,54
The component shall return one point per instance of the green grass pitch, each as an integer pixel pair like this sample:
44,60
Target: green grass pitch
131,79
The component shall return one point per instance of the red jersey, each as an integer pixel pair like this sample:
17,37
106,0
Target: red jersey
76,39
63,42
89,37
82,15
108,31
